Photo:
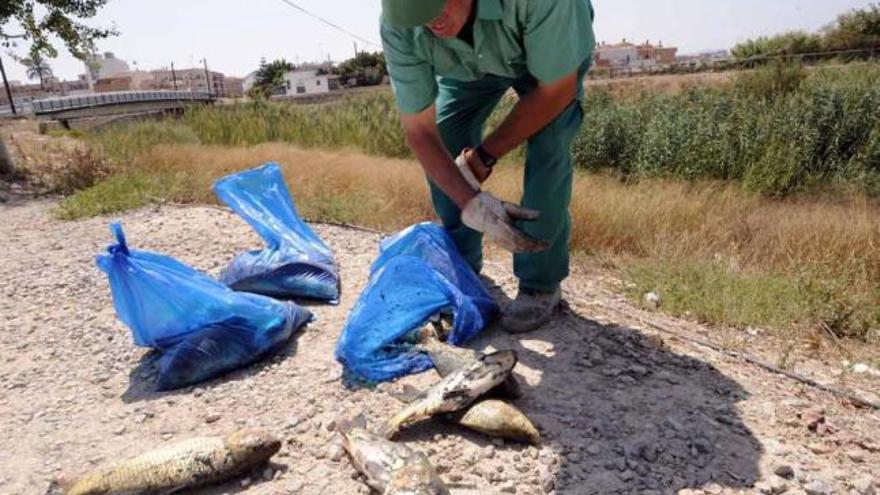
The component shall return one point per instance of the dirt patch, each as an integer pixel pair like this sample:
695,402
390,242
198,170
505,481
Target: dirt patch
621,408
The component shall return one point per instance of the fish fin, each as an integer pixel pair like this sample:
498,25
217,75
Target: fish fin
388,430
429,333
392,426
59,486
455,393
407,394
346,425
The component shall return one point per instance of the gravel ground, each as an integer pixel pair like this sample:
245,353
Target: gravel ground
621,408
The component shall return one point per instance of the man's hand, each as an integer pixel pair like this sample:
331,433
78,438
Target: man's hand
478,169
488,214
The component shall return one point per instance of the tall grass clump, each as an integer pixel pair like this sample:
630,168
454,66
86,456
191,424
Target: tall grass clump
123,142
367,122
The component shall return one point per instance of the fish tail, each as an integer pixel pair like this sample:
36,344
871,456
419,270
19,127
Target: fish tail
391,427
56,487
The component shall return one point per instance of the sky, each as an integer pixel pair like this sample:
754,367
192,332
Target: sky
233,35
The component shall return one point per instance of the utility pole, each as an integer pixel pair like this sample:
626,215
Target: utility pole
8,91
355,49
207,77
174,76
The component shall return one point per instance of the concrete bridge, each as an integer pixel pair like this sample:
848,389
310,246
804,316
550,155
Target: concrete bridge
94,110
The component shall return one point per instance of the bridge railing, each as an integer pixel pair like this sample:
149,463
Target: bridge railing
57,104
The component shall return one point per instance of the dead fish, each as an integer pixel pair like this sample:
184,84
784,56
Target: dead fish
185,464
391,468
498,419
491,417
449,358
456,391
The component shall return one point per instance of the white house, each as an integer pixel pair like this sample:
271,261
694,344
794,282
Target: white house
308,82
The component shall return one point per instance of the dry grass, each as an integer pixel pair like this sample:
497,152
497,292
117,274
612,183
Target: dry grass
662,84
651,218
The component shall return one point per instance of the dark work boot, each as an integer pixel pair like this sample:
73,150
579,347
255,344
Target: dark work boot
529,311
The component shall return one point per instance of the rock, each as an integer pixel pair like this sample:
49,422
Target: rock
268,474
507,487
818,487
292,422
865,486
820,449
335,452
772,487
856,456
653,300
548,483
212,418
784,471
119,431
294,486
487,452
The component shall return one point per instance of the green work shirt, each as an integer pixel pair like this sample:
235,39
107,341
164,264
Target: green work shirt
548,39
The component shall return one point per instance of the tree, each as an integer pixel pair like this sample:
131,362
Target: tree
36,22
857,29
270,77
366,69
37,68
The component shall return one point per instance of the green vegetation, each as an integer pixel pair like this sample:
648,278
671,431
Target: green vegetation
778,130
714,293
366,69
367,122
43,20
269,79
858,29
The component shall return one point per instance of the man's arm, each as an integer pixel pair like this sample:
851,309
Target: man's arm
423,137
531,114
480,211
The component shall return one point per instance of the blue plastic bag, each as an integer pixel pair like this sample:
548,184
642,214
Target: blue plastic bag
419,273
296,262
202,327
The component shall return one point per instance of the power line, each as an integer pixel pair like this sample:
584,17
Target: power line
330,23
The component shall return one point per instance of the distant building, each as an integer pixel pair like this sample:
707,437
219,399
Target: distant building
234,87
304,82
102,66
126,81
631,56
248,82
191,80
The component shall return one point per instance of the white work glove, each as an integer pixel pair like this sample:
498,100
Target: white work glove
488,214
466,172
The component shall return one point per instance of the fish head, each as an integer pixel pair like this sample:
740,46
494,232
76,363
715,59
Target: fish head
505,360
416,477
253,444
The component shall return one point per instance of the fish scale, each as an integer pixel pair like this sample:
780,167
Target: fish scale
185,464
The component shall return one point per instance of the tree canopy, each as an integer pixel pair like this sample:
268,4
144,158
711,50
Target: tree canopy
858,29
366,69
36,21
270,76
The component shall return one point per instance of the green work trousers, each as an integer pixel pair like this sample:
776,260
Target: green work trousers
462,110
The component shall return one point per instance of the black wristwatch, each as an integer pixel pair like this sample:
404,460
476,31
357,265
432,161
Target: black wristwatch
486,157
